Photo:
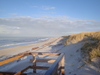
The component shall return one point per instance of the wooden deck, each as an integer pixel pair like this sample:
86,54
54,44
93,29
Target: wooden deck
57,67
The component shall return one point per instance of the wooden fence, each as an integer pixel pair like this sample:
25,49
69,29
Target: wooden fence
57,67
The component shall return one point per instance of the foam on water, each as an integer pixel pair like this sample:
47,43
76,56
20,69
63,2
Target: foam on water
19,41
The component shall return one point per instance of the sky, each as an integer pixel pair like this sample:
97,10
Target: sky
48,18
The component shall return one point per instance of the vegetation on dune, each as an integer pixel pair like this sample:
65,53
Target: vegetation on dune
74,38
91,47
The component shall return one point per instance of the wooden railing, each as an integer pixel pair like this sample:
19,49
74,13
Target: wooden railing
57,67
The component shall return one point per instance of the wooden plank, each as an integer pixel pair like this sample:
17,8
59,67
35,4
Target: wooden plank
12,59
35,48
43,60
39,67
20,72
52,70
19,56
10,73
44,53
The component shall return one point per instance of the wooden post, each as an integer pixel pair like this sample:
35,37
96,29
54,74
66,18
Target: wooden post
54,67
62,65
59,68
56,71
34,63
59,72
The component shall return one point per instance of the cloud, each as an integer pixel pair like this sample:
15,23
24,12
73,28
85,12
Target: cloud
6,31
44,7
47,8
14,28
47,26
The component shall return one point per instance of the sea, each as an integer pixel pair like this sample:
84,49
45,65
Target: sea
6,42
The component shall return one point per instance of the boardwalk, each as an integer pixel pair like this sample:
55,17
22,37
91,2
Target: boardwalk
56,68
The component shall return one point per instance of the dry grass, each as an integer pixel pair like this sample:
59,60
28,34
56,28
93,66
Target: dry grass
96,36
92,49
74,38
91,46
77,37
94,53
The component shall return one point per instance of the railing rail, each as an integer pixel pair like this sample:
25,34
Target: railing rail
56,66
55,69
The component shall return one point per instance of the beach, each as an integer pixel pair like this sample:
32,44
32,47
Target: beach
19,49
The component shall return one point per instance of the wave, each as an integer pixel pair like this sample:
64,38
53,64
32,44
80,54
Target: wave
22,43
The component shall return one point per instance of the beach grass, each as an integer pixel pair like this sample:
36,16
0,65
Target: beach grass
91,46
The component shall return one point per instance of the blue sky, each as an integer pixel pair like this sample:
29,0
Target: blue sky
81,9
68,12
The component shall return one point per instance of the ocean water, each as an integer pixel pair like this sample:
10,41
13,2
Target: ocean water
6,42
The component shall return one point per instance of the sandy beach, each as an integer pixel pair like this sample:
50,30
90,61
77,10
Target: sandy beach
19,49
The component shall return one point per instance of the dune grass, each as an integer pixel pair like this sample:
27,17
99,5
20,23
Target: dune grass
92,49
91,46
74,38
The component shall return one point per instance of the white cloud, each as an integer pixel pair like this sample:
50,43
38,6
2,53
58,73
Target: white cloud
6,30
47,8
48,26
15,28
44,7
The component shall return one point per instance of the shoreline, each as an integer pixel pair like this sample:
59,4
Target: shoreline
8,52
23,43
